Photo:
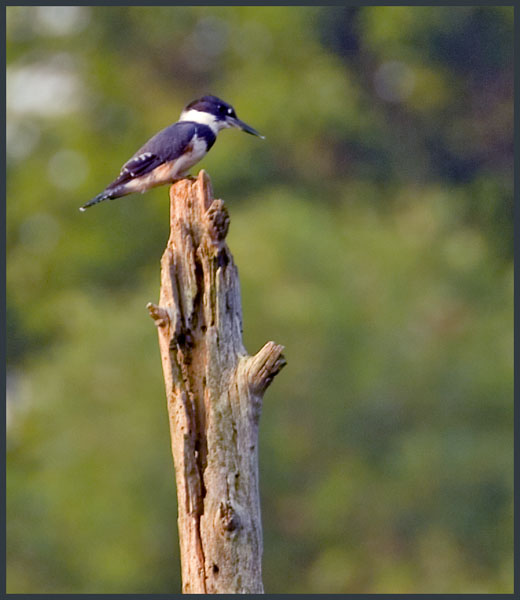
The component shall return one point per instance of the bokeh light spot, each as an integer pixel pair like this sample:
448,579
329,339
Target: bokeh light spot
67,169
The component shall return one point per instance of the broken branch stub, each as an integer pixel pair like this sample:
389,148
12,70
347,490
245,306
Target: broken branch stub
214,395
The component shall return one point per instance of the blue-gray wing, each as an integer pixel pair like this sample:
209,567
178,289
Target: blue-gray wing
165,146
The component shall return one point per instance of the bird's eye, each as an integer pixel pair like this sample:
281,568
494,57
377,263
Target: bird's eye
229,111
222,109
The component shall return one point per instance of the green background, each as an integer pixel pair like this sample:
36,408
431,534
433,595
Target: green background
373,234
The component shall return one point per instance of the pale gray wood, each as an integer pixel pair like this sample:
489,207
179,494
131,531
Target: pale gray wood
214,395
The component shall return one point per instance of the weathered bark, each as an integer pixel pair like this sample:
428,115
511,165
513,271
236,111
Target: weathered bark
214,393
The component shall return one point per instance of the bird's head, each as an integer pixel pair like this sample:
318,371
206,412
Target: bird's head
217,114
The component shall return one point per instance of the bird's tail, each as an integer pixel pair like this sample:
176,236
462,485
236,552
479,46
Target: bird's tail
108,194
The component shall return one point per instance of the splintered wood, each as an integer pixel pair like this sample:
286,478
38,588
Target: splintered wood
214,395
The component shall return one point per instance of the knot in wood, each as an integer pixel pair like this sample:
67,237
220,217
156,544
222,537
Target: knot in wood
160,315
182,339
228,518
218,220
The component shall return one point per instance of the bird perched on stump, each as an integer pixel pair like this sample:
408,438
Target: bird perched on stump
171,153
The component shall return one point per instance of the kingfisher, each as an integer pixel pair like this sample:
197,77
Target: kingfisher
170,154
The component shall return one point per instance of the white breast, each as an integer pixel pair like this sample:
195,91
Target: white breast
184,163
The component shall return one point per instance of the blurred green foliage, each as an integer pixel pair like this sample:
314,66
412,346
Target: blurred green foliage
373,233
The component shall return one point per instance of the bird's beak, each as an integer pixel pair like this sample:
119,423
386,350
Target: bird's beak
245,127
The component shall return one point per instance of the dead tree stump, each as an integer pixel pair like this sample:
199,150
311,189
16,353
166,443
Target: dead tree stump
214,394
